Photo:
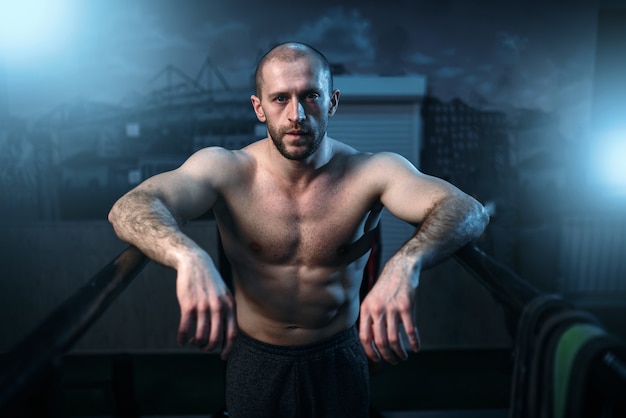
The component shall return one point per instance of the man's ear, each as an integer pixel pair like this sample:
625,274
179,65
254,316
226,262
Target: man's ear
256,105
334,103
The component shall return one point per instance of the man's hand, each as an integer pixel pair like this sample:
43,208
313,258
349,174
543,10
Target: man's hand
387,312
205,301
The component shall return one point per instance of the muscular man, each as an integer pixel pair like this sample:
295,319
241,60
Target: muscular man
295,213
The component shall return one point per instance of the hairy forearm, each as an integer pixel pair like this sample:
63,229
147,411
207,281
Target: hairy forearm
450,224
142,220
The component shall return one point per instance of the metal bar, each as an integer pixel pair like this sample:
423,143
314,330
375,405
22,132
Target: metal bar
505,285
28,360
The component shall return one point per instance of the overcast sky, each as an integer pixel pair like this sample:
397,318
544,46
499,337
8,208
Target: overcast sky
524,53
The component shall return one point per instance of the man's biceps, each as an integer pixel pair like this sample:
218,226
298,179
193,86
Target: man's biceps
181,192
409,209
190,205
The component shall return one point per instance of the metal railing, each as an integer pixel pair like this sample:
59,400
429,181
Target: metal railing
33,366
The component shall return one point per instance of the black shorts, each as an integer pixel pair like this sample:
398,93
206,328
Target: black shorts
326,379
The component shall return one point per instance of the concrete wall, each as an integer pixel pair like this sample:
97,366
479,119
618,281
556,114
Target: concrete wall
43,264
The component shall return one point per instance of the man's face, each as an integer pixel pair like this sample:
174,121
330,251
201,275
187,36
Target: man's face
295,103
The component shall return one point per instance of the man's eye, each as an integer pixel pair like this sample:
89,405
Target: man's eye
280,99
312,96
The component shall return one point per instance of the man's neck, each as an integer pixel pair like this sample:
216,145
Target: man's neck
300,172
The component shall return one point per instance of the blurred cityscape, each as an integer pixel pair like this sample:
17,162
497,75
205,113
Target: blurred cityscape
75,161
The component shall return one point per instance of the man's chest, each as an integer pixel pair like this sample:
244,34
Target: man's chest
320,224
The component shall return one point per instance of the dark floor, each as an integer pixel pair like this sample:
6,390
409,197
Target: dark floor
472,413
477,413
431,384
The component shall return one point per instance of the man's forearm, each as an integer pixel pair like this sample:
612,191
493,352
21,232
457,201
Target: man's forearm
450,224
141,219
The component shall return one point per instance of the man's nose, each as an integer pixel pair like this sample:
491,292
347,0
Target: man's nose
296,111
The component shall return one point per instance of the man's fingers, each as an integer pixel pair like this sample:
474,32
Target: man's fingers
217,327
231,333
203,325
394,338
411,331
382,341
183,327
367,339
221,328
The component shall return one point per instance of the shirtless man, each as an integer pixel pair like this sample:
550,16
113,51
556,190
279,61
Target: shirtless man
295,211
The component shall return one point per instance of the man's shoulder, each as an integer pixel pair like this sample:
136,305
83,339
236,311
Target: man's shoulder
219,164
347,153
223,157
369,160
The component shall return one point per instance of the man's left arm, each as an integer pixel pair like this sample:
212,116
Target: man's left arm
446,218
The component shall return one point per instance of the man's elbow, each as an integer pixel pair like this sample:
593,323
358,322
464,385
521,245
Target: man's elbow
114,217
111,216
113,213
481,219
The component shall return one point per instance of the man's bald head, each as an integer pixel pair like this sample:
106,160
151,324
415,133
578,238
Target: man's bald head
290,52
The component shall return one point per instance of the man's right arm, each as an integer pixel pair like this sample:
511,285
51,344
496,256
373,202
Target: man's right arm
149,217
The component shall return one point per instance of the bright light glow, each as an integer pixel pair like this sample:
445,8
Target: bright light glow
33,27
610,162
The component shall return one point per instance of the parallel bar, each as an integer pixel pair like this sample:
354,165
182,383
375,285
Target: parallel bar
505,285
28,360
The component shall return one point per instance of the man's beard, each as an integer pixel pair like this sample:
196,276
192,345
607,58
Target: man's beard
310,141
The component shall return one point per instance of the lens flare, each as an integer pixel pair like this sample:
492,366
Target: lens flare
33,27
610,162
